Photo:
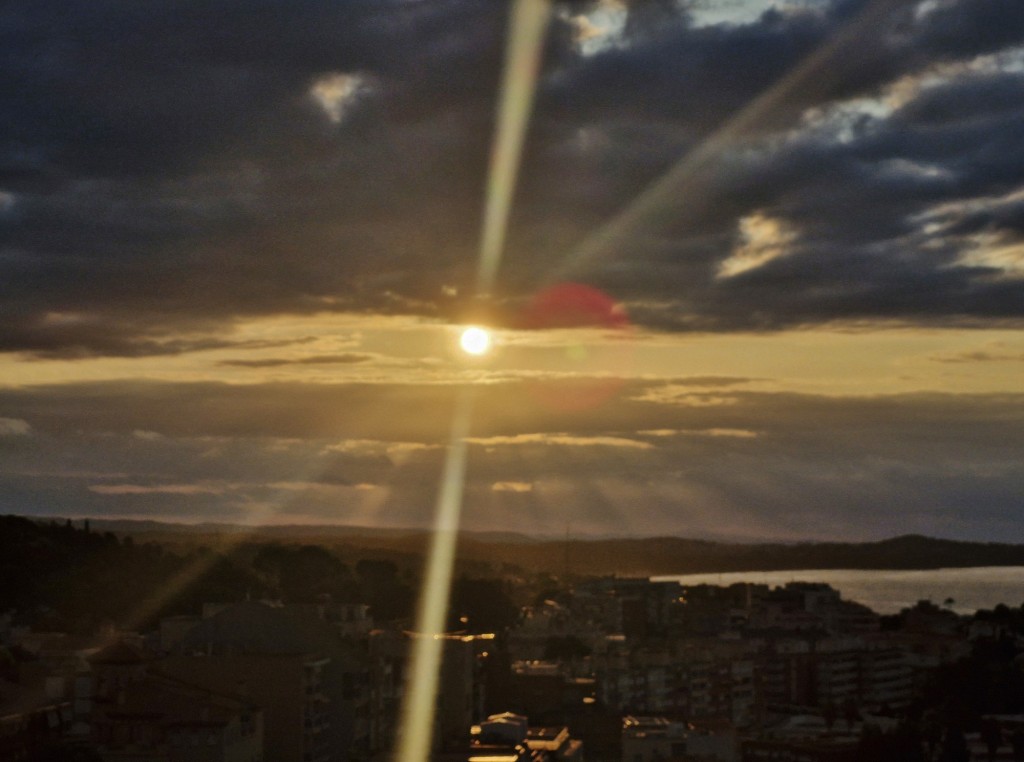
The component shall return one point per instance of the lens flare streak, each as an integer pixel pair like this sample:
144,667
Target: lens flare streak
427,648
528,24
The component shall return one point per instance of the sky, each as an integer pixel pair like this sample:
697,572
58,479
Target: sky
762,279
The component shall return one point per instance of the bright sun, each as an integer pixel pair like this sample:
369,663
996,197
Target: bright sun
475,340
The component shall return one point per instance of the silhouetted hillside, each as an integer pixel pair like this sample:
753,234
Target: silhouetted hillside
657,556
633,556
64,577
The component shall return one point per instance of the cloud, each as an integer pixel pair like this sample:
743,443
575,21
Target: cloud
995,252
997,353
762,240
14,427
348,471
320,487
157,489
512,487
227,170
349,358
253,173
783,465
674,394
336,93
564,440
739,433
394,450
303,486
849,192
149,436
217,170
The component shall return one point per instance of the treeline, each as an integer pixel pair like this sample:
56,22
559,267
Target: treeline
56,576
482,556
666,556
509,554
59,576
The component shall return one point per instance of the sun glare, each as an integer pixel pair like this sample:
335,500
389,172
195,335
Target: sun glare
475,340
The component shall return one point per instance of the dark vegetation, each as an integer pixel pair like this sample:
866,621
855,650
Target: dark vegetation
61,577
74,578
64,578
990,680
488,553
964,696
680,556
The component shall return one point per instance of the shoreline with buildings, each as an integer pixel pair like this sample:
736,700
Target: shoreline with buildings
888,591
294,653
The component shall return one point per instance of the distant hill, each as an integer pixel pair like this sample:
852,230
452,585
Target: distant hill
664,556
633,556
280,531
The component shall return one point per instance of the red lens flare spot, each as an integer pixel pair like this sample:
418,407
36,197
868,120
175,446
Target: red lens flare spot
594,368
574,305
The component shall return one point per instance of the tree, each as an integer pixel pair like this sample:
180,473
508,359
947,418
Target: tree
483,604
305,573
388,596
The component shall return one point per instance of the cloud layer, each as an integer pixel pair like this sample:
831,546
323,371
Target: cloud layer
170,170
191,192
766,465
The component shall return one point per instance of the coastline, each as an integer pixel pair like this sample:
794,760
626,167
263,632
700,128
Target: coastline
887,591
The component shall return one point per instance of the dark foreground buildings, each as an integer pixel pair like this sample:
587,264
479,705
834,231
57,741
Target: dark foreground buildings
610,670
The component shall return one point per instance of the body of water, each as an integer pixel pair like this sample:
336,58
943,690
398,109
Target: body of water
888,591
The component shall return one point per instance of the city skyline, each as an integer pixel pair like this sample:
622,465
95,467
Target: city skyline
240,246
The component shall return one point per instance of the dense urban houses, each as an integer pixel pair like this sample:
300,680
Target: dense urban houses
294,664
611,669
509,737
141,713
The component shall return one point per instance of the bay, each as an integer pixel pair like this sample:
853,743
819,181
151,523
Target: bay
889,591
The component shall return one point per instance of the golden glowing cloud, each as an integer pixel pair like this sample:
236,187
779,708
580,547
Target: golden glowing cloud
335,93
764,239
512,487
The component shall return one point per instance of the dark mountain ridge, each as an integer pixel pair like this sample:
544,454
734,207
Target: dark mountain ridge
624,556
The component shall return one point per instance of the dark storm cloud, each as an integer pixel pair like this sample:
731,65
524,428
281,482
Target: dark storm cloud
168,163
862,211
71,336
976,27
855,190
859,210
164,168
167,87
